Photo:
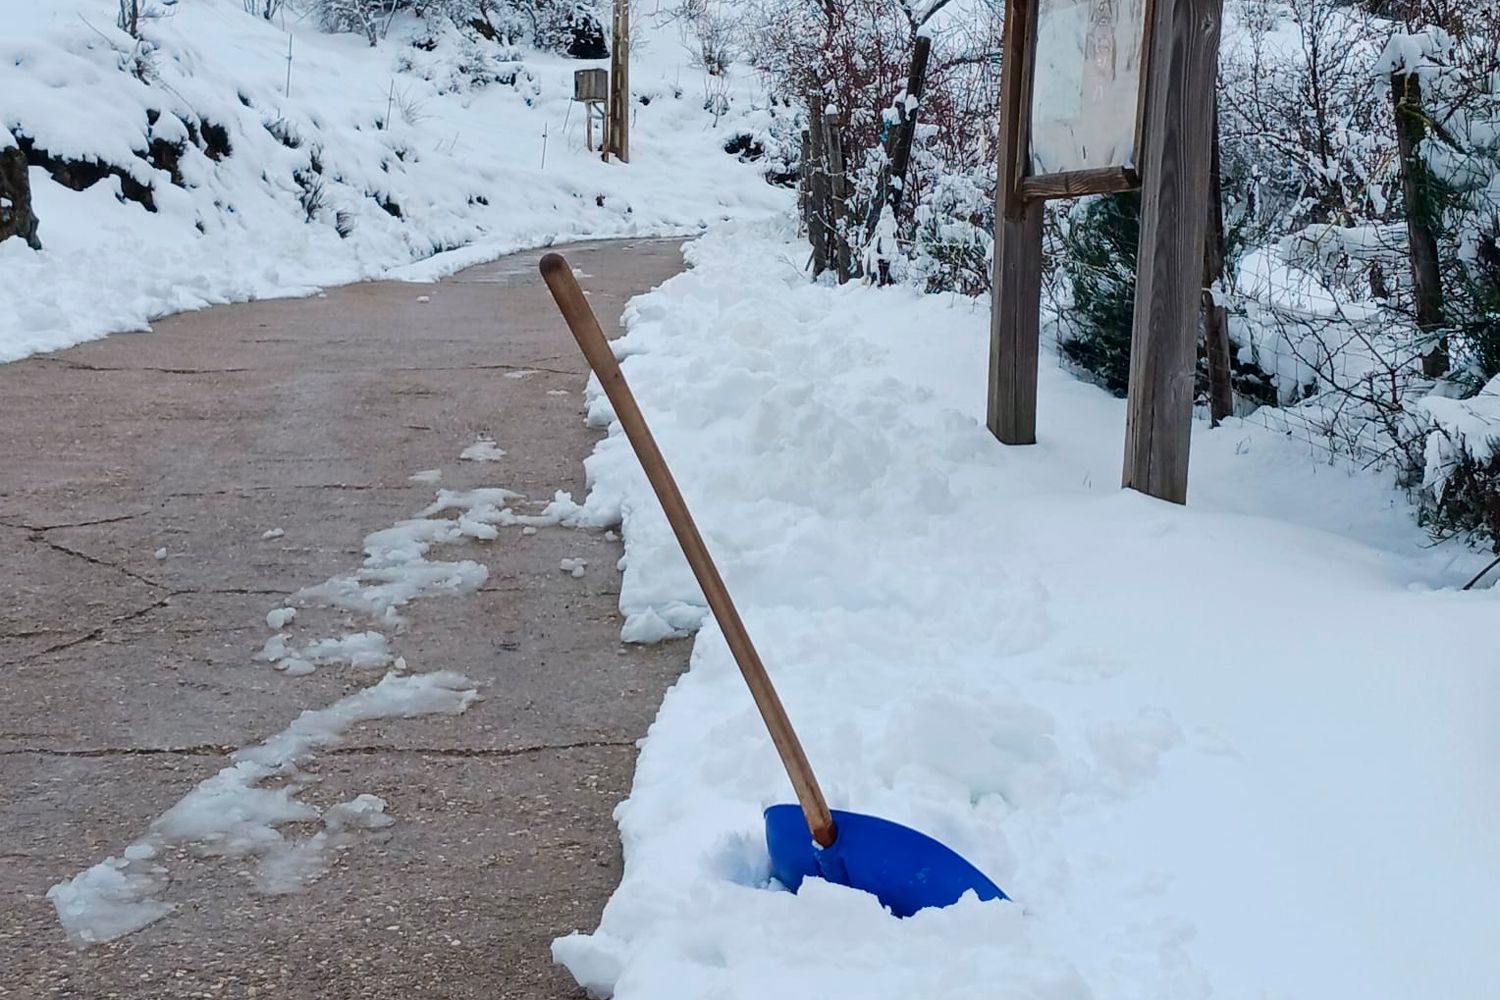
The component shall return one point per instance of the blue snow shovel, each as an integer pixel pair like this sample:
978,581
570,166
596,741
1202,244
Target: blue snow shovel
906,870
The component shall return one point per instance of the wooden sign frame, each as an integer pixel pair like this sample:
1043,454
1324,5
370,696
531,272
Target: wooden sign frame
1095,180
1174,138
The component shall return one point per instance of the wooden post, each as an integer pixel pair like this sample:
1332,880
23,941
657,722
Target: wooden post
617,124
916,84
804,183
817,219
892,183
1426,280
1175,183
1215,316
838,195
1016,295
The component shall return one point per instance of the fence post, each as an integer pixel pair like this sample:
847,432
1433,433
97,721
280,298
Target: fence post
838,194
804,180
817,220
1215,316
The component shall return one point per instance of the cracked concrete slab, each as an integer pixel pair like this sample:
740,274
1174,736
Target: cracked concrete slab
130,678
532,837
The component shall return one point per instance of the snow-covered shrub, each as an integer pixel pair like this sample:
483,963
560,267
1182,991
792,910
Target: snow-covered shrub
570,27
1457,176
852,59
952,242
457,60
370,18
1461,477
265,9
1305,123
770,136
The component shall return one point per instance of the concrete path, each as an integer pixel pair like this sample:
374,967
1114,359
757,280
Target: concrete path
126,679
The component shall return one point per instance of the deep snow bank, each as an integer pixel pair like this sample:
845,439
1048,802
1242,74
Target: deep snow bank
1209,750
377,158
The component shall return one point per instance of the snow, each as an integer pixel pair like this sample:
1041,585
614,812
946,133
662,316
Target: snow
238,812
278,618
1208,750
272,533
357,649
397,572
427,476
574,567
483,449
1412,53
1466,430
459,159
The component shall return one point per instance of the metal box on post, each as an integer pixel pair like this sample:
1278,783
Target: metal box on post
590,85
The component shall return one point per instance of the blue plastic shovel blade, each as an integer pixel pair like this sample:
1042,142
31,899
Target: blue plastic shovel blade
906,870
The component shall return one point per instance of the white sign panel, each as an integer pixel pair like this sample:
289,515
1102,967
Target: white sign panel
1087,84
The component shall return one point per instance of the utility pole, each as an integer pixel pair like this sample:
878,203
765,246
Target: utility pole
617,127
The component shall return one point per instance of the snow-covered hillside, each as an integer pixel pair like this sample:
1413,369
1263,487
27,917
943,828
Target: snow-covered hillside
369,159
1211,751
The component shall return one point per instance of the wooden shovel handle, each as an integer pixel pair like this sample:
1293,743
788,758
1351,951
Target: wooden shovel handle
585,327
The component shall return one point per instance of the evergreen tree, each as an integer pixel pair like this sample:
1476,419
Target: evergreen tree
1100,244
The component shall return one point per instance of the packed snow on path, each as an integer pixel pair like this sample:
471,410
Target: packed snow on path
416,157
1211,751
237,812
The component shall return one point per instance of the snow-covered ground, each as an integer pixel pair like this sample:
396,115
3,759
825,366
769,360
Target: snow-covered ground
456,148
1239,749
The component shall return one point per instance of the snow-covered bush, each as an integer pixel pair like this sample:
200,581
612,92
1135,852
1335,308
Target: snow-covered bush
457,60
1305,123
264,9
1361,159
770,136
852,59
952,242
370,18
571,27
1461,476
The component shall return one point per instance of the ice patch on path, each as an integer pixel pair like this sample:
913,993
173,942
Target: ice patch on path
279,618
396,570
111,899
300,864
426,476
236,813
482,450
671,621
357,649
